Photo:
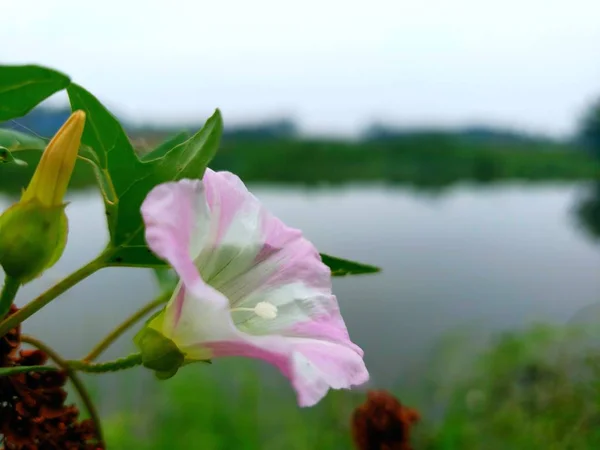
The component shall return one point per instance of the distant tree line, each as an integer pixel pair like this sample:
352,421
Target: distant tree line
472,134
45,121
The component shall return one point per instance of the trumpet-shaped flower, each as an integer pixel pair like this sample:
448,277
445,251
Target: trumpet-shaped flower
249,286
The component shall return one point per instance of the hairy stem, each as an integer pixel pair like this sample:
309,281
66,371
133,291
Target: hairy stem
124,326
126,362
8,294
77,383
35,305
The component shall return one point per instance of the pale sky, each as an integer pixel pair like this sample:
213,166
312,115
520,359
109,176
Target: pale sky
334,66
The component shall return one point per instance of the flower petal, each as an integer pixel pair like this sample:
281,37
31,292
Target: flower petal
229,251
318,366
206,331
235,236
249,247
177,224
254,257
177,221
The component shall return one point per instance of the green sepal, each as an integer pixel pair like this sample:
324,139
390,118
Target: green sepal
166,374
159,353
32,239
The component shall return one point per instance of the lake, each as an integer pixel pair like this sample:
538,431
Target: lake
492,258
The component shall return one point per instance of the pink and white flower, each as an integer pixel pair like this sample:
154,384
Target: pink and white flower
249,286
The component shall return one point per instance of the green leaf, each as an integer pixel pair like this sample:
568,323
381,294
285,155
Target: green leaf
7,157
15,141
125,180
163,148
12,141
342,267
23,87
7,371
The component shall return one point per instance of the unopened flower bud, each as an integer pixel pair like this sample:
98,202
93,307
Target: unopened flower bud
33,232
51,178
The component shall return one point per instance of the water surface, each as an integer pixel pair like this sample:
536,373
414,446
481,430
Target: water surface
495,258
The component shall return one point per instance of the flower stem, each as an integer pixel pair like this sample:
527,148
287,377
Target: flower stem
77,383
126,362
38,303
124,326
8,371
8,294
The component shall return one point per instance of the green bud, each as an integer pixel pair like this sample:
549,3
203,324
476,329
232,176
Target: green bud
32,238
159,353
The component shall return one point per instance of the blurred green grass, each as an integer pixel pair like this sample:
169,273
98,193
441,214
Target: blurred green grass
534,389
234,405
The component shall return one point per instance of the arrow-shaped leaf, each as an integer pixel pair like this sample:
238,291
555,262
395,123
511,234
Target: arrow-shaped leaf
24,87
126,180
343,267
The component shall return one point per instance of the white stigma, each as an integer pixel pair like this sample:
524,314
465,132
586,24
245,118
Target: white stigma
265,310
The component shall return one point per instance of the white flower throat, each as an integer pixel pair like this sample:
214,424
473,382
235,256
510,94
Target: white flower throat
264,310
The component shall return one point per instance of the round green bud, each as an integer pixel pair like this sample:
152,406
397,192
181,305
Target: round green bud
32,239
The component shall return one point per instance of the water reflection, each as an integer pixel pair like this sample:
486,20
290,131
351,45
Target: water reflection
587,215
588,211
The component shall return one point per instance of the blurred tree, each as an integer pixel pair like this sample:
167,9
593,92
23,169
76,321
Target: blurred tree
589,129
587,211
278,129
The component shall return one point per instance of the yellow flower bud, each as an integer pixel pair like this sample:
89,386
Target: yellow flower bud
51,178
33,232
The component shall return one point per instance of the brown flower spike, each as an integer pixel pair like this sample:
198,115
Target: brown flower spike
383,423
33,415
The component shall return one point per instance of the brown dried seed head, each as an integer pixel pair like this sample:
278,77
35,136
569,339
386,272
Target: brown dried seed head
383,423
33,414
